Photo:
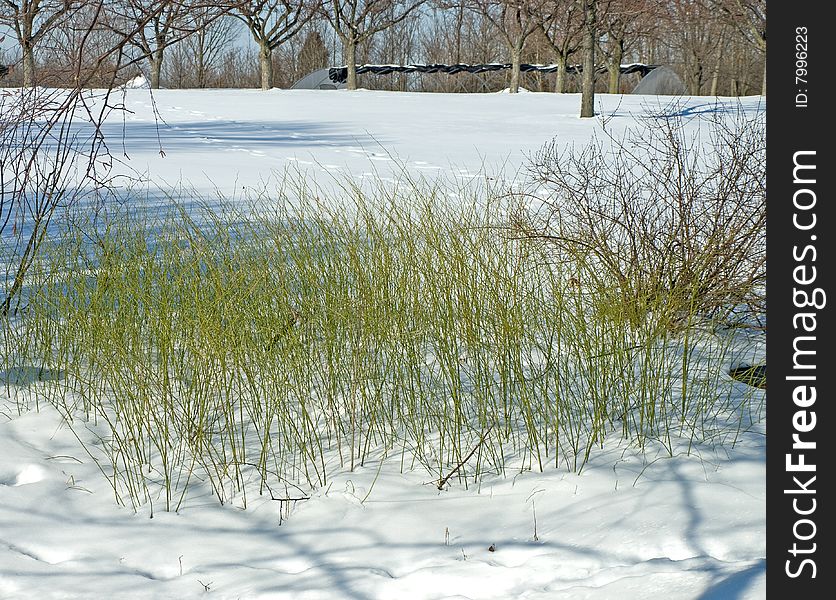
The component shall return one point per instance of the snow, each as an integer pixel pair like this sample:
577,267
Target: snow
628,526
138,82
686,528
220,140
521,90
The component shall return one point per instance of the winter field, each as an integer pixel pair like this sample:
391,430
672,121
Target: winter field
298,354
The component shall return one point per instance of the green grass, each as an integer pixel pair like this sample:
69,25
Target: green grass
274,345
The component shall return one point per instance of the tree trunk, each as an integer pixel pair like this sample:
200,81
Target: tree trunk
715,79
693,74
265,56
588,82
459,27
28,65
200,59
201,76
715,75
614,72
614,67
514,87
538,74
763,85
695,80
351,62
735,88
560,75
27,47
156,60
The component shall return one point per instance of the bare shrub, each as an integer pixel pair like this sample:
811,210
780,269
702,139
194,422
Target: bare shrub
49,160
660,221
53,152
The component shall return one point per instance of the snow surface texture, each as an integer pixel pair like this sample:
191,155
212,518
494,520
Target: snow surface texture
627,527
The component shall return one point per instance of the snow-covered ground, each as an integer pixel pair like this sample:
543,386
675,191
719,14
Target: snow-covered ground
244,139
628,526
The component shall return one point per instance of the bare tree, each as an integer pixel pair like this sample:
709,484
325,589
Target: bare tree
272,23
563,35
623,22
748,17
195,61
314,53
590,39
718,62
212,35
46,161
459,7
451,34
356,21
238,68
516,21
68,52
153,39
397,44
32,21
693,34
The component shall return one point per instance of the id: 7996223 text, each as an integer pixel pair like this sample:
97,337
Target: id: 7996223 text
801,54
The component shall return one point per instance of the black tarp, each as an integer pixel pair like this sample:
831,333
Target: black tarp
340,74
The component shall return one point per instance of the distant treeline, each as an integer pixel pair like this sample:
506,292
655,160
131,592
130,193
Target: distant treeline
717,47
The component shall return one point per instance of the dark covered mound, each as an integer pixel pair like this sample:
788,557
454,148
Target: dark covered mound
661,81
750,375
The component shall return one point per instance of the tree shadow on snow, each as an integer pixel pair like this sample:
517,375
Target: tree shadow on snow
319,562
736,585
724,586
132,137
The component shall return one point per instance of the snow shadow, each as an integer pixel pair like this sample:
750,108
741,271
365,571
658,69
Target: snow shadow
737,585
674,107
724,586
132,137
27,375
707,108
281,561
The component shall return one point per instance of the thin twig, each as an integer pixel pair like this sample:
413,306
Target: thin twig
444,480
